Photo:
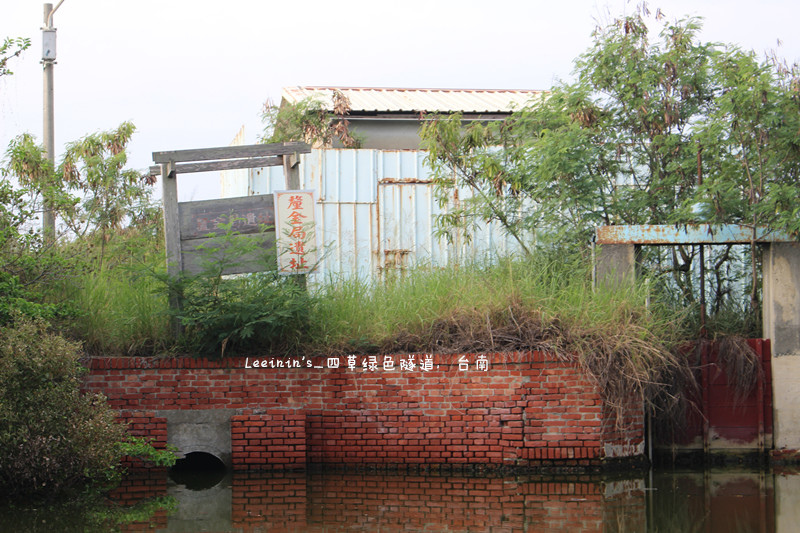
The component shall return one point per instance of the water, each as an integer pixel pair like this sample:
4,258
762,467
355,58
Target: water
660,501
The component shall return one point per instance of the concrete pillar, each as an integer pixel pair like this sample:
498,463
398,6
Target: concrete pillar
616,263
782,327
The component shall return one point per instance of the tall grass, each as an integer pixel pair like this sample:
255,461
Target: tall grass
553,290
121,312
118,305
543,303
546,302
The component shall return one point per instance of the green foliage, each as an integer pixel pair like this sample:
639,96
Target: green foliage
305,121
27,263
120,309
553,284
111,196
255,313
90,512
103,207
614,147
628,142
12,47
17,300
52,437
39,182
91,190
234,314
309,121
143,449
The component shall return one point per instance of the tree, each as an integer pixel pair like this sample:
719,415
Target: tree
753,168
616,146
26,259
11,48
111,194
91,190
629,141
92,194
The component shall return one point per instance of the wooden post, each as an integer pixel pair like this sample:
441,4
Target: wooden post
291,171
172,237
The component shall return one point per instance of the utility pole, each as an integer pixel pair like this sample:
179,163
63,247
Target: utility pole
49,61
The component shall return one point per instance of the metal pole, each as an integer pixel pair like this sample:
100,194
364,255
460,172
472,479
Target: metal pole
48,218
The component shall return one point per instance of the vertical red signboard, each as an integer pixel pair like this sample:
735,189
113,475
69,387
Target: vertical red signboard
295,231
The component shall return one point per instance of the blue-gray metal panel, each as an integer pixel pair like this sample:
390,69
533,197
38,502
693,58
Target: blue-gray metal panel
371,201
345,229
689,234
266,180
366,177
364,258
346,176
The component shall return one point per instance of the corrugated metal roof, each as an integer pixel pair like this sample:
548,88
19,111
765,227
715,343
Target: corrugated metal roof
382,100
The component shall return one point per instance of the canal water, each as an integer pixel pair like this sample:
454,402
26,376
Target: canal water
726,501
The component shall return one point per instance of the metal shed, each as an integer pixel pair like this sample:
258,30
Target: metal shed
376,213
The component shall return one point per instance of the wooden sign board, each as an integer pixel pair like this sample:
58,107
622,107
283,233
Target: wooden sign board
236,235
227,234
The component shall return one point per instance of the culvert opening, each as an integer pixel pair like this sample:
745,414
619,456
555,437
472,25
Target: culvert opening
198,471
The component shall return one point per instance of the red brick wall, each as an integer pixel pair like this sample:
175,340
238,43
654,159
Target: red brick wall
137,488
525,408
272,439
149,426
330,501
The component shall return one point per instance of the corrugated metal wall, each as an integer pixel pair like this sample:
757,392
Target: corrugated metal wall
235,182
376,212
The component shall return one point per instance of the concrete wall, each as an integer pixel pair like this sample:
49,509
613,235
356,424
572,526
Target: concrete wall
523,409
385,134
616,263
781,265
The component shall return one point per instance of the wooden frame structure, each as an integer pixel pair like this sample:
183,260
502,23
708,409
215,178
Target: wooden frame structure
186,223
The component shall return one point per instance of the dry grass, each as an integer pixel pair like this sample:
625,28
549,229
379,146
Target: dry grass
741,365
547,304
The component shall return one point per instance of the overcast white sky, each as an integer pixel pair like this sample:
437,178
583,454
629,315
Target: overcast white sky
189,74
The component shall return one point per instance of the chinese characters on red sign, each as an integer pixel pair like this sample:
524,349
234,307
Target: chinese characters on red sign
295,231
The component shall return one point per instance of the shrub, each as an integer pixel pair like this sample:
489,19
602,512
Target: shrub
264,313
16,299
52,437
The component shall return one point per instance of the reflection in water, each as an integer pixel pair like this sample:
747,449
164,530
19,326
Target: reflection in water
456,503
711,501
370,502
714,502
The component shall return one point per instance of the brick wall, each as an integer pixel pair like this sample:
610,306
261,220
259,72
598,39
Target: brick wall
520,408
275,438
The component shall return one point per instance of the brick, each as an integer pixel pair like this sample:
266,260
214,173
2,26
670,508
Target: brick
525,401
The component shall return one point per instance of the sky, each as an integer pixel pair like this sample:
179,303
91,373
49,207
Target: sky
190,74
